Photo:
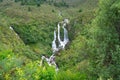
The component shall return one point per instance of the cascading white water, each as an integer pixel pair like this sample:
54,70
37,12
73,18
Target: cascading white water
54,46
61,44
13,30
66,39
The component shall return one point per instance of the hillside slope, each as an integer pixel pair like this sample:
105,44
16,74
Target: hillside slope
34,27
10,40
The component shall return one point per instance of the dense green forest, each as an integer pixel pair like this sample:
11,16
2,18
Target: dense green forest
93,51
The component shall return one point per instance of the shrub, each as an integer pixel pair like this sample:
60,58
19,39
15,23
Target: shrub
103,39
80,10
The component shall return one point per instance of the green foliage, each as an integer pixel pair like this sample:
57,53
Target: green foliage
78,50
34,32
61,4
80,10
37,35
35,27
1,0
9,63
31,70
31,2
16,0
29,9
76,54
4,54
68,75
10,42
53,10
103,39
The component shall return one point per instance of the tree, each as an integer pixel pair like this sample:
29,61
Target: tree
1,0
104,37
16,0
38,2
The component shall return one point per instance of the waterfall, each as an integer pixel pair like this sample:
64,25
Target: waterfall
11,27
59,40
66,39
54,46
61,44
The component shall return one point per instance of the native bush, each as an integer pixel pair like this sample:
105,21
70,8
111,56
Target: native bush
103,39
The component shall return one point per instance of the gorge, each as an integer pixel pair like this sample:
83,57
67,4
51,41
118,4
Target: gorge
57,40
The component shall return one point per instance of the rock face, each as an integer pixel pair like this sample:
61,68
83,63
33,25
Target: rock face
57,40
